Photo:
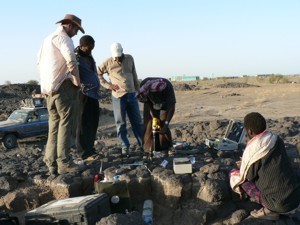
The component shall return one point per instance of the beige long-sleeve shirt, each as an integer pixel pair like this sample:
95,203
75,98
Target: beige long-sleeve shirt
123,74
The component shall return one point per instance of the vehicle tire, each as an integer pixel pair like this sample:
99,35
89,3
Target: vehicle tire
10,141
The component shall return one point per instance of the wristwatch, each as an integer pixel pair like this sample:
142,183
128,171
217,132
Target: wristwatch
166,122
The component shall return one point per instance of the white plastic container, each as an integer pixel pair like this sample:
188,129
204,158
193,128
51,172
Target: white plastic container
148,211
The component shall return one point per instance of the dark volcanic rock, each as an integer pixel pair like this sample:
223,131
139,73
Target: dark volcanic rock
124,219
236,85
11,96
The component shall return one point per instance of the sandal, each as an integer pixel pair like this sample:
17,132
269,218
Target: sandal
264,214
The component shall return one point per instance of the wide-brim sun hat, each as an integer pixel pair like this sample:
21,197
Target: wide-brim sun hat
73,19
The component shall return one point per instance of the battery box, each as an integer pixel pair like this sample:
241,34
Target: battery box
83,210
234,136
118,193
182,165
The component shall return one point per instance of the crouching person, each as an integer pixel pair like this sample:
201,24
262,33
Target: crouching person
159,100
265,172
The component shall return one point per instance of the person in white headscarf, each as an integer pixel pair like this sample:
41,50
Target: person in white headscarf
265,172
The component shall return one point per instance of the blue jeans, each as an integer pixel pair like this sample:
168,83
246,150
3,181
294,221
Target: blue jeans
128,104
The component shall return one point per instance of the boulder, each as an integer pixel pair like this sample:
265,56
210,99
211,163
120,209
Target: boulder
214,191
166,187
24,199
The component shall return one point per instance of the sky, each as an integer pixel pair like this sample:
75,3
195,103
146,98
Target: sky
206,38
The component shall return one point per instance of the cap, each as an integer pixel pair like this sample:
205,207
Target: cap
116,50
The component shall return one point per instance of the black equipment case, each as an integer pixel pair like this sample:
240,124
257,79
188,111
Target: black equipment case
83,210
6,219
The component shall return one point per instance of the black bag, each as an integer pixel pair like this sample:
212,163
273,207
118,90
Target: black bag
5,219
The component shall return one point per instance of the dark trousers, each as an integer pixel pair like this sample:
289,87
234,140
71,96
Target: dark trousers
162,141
89,123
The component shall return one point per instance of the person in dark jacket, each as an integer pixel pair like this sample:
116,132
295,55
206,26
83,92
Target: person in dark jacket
159,100
89,97
265,172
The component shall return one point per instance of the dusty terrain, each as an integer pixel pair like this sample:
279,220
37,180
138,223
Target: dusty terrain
199,103
222,102
229,99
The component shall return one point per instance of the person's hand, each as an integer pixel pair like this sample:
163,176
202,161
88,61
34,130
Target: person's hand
81,86
75,80
141,97
114,87
238,163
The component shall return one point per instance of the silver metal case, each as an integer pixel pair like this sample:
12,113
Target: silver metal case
234,136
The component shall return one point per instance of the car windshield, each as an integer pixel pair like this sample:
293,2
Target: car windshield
18,115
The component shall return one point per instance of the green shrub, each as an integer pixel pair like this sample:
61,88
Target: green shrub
33,82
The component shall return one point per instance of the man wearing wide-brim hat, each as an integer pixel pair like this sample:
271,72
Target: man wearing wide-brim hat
69,19
60,82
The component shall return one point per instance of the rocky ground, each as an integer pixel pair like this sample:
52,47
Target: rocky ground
203,197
